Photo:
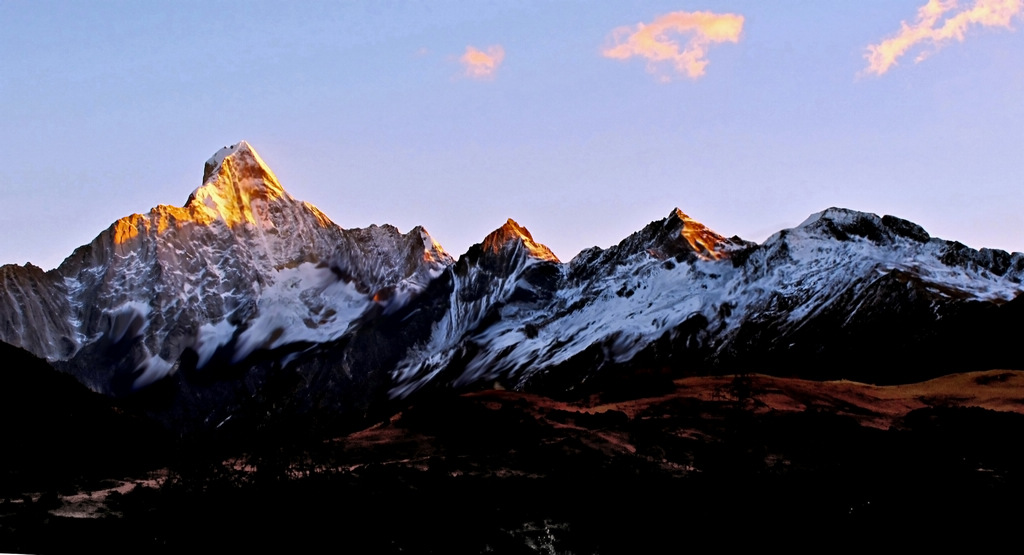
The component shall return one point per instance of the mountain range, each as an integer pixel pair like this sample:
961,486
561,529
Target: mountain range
246,298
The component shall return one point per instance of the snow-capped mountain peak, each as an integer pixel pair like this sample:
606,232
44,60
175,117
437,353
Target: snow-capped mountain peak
705,243
241,267
511,233
844,224
237,185
675,236
433,251
240,149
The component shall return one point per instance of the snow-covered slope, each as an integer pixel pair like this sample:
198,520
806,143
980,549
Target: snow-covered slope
678,291
503,278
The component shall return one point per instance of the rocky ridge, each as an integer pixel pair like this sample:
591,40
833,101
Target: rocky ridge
244,284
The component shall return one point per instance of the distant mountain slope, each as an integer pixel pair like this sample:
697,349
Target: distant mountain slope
845,294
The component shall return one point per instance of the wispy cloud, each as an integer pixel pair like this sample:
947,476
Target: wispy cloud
938,22
478,64
655,41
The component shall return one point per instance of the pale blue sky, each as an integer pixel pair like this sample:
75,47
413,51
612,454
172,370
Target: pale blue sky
363,109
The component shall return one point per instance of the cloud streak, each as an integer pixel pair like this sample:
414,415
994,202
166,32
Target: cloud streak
938,22
478,64
655,41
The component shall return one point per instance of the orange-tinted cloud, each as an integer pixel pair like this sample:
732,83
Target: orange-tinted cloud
482,65
938,22
654,41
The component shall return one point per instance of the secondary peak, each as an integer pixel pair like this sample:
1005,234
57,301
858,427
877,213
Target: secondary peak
701,240
512,232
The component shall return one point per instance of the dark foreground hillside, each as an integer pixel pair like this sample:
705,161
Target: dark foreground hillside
673,465
55,433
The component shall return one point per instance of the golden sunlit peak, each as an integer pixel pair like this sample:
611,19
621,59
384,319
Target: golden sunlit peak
432,250
233,179
512,231
706,243
240,153
238,189
679,214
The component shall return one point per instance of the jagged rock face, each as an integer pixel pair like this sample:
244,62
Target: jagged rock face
245,295
34,311
389,266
